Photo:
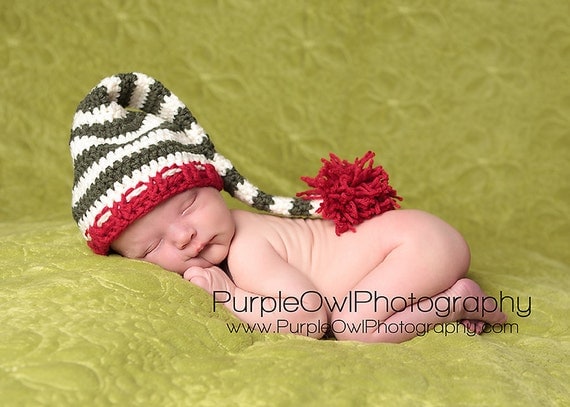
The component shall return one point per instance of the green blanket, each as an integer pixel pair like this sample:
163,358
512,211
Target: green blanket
466,104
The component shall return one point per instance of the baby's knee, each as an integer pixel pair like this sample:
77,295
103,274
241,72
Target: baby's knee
462,255
457,249
445,243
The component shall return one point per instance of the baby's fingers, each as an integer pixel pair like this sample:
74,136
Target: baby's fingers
199,276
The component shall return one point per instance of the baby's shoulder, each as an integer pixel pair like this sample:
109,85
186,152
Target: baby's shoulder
255,245
250,224
279,235
252,230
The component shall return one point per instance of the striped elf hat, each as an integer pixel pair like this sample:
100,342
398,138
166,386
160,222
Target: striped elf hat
134,144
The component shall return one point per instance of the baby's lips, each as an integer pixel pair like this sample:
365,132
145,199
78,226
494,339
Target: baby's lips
199,247
202,246
196,248
193,250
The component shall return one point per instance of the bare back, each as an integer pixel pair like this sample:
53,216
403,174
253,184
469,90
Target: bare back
333,263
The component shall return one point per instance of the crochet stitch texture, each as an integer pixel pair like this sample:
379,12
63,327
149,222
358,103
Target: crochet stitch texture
134,144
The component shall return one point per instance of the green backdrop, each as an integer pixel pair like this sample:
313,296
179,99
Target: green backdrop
466,103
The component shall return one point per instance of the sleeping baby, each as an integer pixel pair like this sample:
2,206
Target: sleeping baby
340,258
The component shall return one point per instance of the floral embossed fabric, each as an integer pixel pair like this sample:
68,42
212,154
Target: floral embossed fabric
466,105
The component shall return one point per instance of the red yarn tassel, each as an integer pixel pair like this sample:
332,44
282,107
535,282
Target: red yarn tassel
351,192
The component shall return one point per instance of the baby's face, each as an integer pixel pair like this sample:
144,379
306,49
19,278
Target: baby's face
193,228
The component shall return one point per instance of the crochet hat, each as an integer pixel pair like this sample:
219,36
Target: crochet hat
134,144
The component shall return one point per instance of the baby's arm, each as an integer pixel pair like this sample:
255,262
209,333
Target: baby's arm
267,291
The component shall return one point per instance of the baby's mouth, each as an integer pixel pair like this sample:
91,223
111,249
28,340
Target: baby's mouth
195,251
198,248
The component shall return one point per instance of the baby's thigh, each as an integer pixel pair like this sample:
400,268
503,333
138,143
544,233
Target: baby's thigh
415,241
422,256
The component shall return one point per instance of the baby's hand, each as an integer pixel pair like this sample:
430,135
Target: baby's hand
210,279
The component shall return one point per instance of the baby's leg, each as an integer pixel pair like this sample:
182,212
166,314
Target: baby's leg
429,262
462,302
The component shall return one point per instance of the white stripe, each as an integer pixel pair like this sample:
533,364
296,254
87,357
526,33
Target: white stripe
141,90
103,219
91,174
79,144
246,192
113,85
195,133
315,204
101,114
143,175
281,205
113,195
221,164
170,107
173,171
136,192
98,115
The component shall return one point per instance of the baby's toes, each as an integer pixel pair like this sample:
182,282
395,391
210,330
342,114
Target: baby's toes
473,325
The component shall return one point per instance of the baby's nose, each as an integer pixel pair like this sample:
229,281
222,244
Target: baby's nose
181,235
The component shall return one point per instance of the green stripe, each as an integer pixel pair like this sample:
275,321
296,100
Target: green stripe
301,207
127,166
183,118
96,152
97,97
262,201
130,123
128,87
155,97
100,95
231,180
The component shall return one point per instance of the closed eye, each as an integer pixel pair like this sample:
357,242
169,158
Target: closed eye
151,248
186,209
187,206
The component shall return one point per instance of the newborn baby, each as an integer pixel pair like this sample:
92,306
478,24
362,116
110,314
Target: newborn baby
147,182
400,253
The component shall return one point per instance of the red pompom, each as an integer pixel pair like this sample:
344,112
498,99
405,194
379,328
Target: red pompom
351,192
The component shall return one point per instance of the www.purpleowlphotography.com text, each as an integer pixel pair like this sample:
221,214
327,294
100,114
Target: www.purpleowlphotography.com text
355,300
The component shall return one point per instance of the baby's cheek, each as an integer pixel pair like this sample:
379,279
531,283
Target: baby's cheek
168,261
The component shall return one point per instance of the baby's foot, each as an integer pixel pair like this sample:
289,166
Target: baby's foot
473,325
476,317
